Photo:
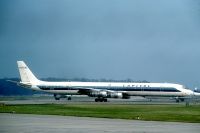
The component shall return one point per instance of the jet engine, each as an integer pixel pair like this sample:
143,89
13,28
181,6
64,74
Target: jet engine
108,94
115,95
98,94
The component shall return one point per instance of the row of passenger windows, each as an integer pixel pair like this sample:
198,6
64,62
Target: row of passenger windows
137,86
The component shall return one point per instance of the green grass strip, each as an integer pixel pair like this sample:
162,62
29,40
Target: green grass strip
178,113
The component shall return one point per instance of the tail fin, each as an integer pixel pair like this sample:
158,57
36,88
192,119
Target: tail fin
25,73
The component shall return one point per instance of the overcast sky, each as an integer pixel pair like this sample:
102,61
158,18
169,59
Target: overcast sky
155,40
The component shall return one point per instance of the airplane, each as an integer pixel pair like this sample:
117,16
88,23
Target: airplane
102,90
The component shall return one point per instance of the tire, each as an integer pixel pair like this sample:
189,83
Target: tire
69,98
177,100
57,98
96,100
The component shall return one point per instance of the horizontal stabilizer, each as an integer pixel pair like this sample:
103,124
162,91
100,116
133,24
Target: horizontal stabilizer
12,81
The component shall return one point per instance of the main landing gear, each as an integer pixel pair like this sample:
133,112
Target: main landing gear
58,97
69,98
179,100
101,100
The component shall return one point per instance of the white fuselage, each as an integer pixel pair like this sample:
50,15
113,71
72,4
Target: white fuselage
132,89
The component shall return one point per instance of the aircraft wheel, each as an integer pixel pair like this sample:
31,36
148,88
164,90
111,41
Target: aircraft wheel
57,98
182,99
105,100
100,100
96,100
177,101
69,98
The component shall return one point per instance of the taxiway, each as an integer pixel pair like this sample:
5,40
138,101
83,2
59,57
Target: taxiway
28,123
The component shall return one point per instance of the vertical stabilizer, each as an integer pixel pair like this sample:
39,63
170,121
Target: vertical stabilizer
25,73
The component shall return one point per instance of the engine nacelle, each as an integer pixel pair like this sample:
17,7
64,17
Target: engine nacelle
108,94
115,95
98,94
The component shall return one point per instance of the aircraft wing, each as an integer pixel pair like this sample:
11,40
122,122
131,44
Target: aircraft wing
95,92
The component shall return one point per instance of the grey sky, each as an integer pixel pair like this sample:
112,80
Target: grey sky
156,40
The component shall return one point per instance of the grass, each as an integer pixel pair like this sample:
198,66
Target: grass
178,113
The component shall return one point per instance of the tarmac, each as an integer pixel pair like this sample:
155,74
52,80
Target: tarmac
78,100
28,123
